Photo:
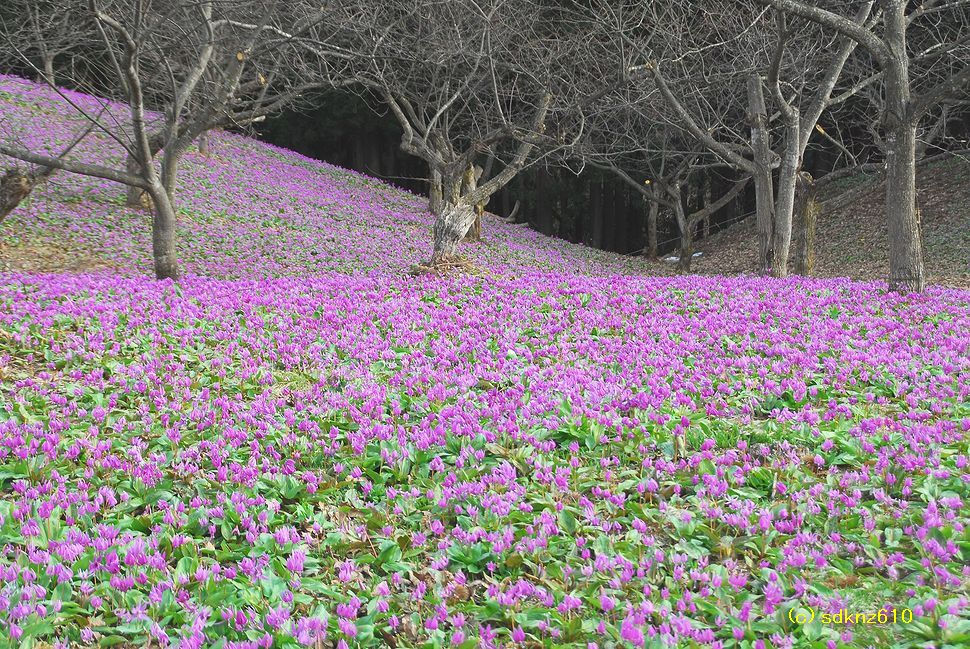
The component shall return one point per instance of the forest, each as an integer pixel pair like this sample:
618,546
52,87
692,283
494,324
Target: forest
631,127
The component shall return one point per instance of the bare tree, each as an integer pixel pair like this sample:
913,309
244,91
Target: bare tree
908,99
712,62
465,79
702,61
628,137
46,30
813,70
710,49
201,64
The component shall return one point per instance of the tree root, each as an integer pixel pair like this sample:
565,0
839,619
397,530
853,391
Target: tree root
455,264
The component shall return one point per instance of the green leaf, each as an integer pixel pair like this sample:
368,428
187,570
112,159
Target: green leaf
567,521
391,553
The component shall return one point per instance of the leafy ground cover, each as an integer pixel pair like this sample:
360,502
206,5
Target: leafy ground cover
299,444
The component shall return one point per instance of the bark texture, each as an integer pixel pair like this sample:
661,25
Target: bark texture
163,235
906,272
449,228
785,200
136,197
764,189
686,230
807,210
436,200
469,185
15,186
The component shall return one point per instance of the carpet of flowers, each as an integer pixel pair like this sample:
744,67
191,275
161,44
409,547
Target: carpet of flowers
301,445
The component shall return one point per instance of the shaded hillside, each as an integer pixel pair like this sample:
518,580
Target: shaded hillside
853,242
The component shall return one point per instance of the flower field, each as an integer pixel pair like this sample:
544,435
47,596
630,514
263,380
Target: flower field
302,445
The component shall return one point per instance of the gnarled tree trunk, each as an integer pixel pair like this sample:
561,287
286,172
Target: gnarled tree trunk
15,186
470,184
449,228
453,221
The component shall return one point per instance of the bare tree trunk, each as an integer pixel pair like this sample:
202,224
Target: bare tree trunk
449,228
163,235
807,210
480,206
764,194
694,198
906,272
475,232
652,212
15,186
47,65
764,190
706,223
785,203
675,194
452,223
436,201
686,239
171,158
469,184
136,196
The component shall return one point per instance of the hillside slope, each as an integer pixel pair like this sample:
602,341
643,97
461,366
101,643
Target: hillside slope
268,211
853,242
301,445
317,218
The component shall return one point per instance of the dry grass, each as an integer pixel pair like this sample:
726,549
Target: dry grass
449,266
854,242
49,257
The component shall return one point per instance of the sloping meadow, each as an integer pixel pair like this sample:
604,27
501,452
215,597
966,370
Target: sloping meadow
248,210
300,444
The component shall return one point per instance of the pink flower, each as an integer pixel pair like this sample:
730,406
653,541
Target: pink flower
630,633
